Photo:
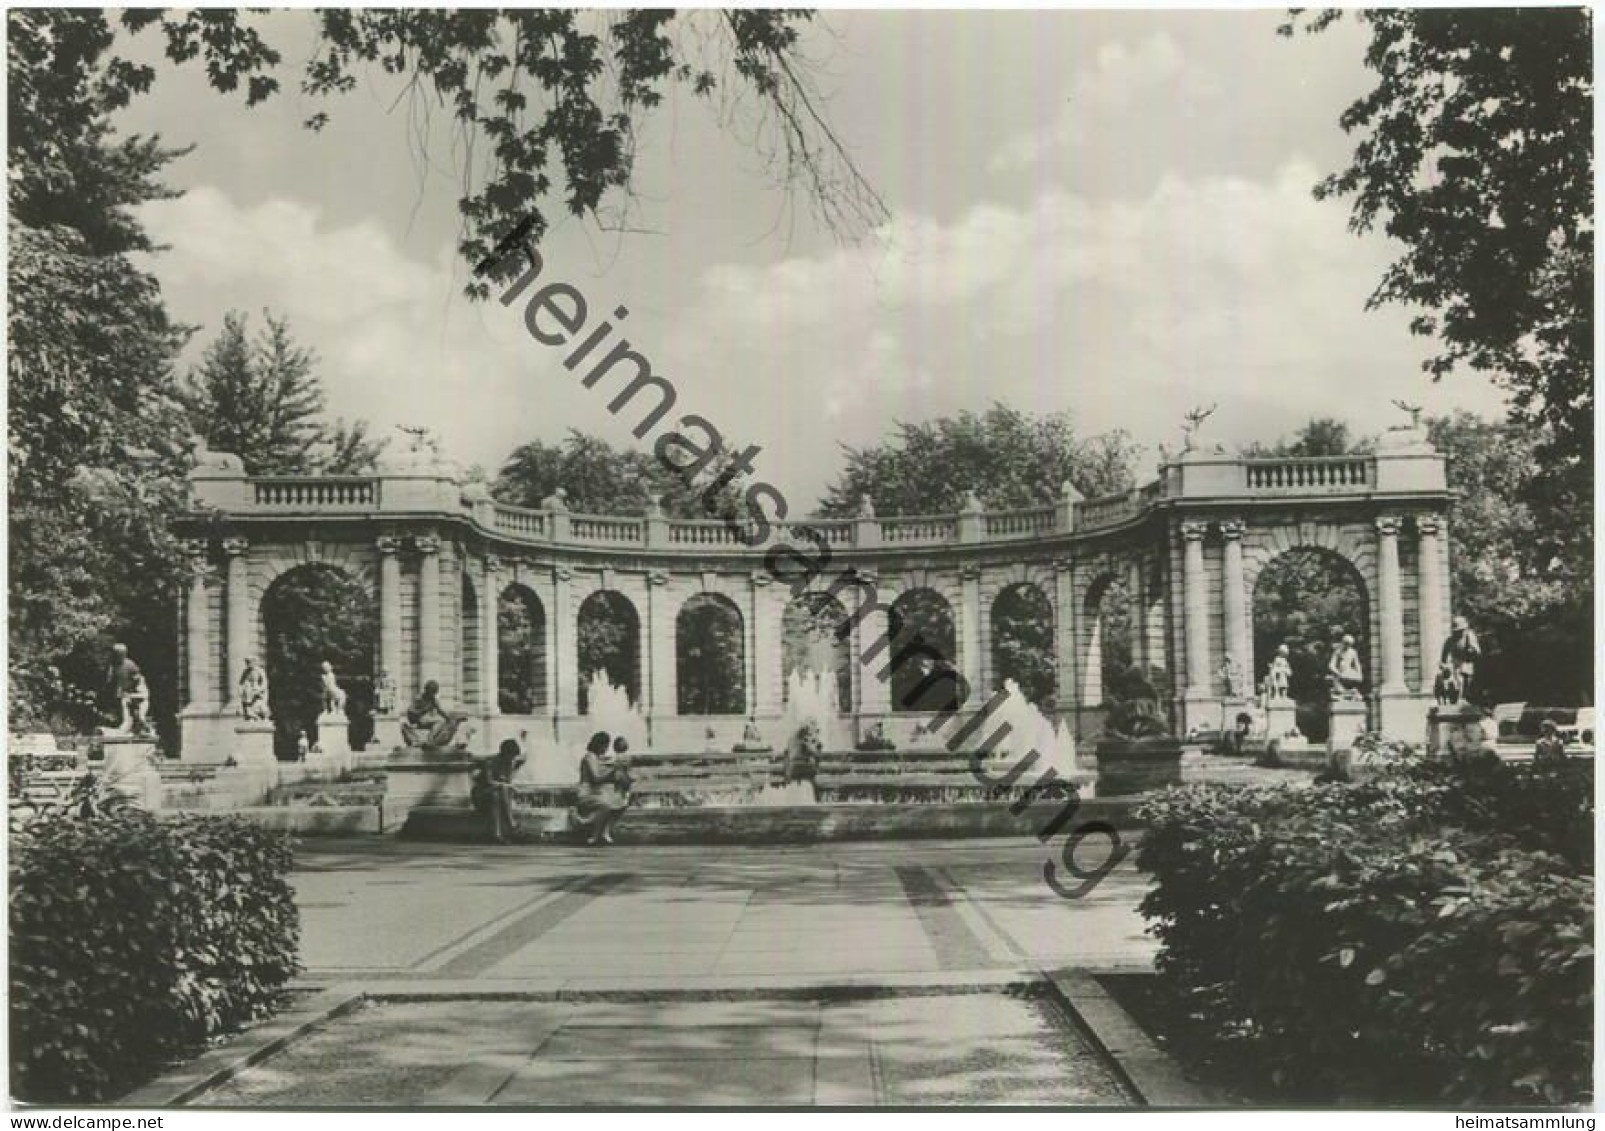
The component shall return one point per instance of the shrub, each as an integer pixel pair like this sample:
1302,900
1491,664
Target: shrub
133,939
1389,941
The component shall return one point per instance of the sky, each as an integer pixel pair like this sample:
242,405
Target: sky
1107,213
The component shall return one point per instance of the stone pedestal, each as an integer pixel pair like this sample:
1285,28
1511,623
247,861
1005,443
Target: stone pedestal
416,777
1457,732
1231,707
1345,722
253,744
334,735
1281,718
128,767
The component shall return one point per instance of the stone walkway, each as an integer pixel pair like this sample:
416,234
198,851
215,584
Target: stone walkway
609,917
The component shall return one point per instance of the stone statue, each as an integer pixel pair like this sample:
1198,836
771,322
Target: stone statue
384,693
126,687
1344,670
1460,654
1279,675
1231,673
207,460
334,696
751,739
253,691
866,507
427,726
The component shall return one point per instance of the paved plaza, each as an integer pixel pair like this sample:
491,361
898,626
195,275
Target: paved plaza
836,974
610,917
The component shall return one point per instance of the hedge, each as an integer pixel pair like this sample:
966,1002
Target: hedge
133,940
1416,939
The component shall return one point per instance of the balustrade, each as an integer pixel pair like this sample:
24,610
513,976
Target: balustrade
302,493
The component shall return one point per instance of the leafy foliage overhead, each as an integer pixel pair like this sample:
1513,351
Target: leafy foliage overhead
1475,153
1008,457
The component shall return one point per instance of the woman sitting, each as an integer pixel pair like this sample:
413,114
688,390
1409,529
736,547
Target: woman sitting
492,792
604,791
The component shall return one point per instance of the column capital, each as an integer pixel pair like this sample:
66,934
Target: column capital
1063,565
235,546
426,543
657,577
1388,525
969,571
761,578
1429,525
387,544
493,564
1194,530
1233,529
562,573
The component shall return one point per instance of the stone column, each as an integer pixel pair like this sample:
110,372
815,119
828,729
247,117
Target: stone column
1196,602
1136,605
197,634
1431,597
390,609
768,662
874,693
1236,603
239,614
566,654
971,660
1064,635
428,608
490,679
659,691
1390,605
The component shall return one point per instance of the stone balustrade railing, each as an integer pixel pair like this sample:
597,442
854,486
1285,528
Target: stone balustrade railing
1194,478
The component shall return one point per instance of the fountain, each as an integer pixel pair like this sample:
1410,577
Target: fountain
1030,729
610,709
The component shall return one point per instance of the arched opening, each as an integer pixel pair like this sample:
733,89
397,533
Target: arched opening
608,635
1307,598
1108,614
923,634
311,614
809,643
1022,642
520,651
710,656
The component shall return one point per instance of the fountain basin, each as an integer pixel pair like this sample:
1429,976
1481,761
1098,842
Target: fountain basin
1127,766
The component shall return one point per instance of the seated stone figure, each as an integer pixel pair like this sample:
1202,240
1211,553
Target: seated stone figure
427,726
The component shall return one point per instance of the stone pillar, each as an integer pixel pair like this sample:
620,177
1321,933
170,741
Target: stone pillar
1135,605
1431,597
566,652
390,610
1064,636
1236,604
490,679
874,693
972,659
768,662
428,609
1390,606
1196,602
659,691
197,631
239,614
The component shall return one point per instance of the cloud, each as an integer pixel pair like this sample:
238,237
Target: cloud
1104,97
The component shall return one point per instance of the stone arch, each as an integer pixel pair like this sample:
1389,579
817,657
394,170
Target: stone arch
809,641
1021,636
521,663
608,639
710,656
924,631
1302,595
311,612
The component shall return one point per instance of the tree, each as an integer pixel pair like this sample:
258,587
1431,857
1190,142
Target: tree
1008,457
1475,152
95,435
598,478
263,401
1320,436
546,101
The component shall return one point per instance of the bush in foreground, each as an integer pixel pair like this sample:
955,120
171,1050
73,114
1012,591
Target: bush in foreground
133,940
1426,937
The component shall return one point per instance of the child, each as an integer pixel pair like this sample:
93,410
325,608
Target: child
1551,746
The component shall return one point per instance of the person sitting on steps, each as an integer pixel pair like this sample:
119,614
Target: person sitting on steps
604,790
